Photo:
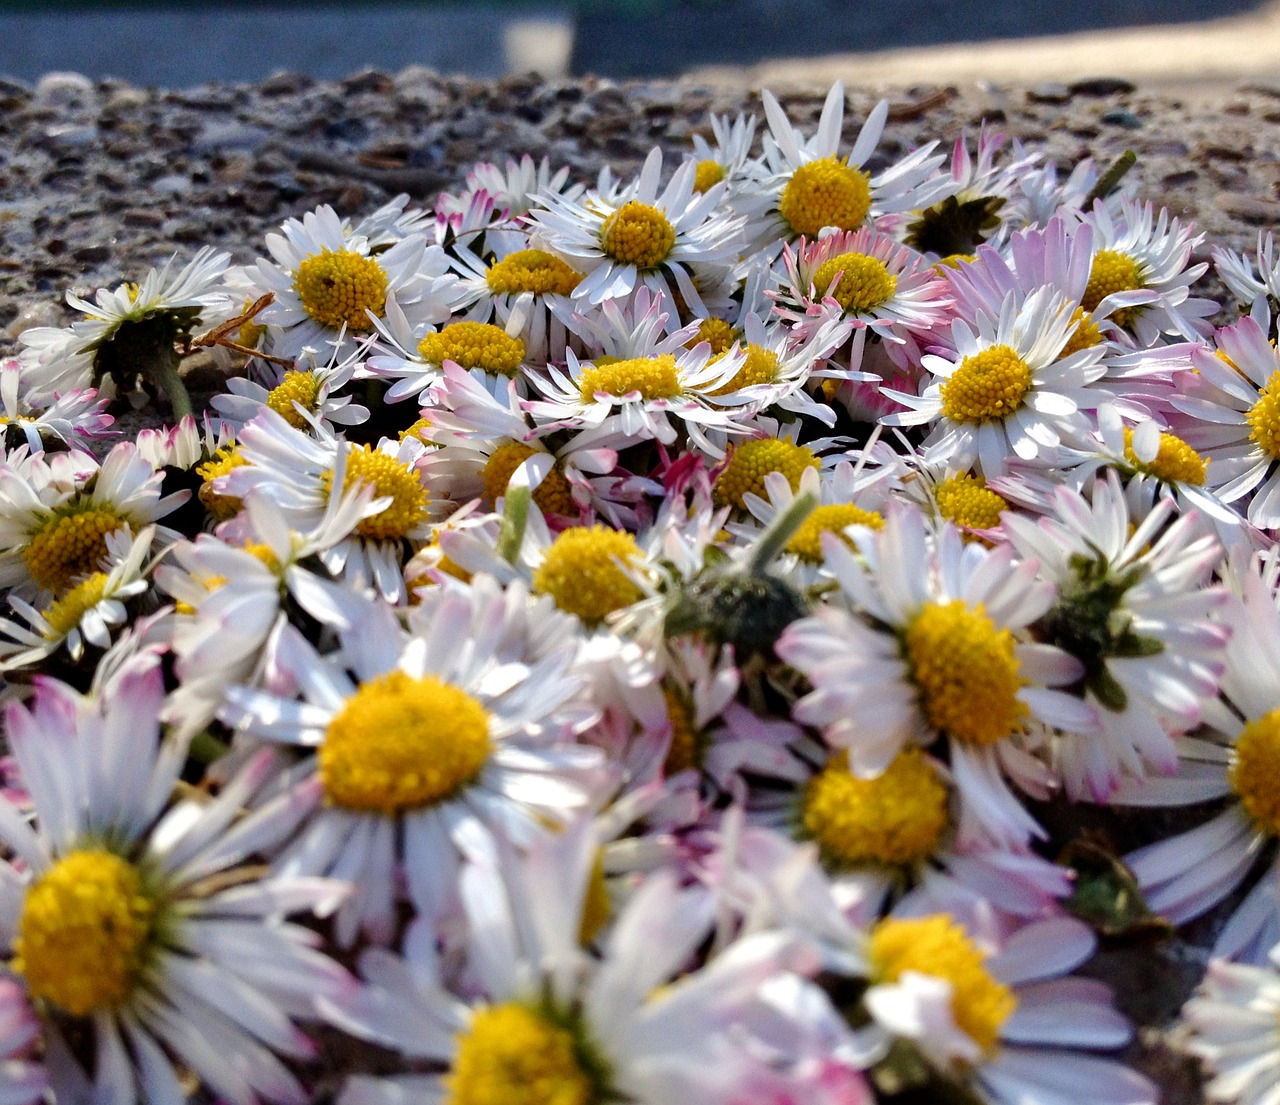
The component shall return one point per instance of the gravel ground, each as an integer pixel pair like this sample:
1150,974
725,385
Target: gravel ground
98,181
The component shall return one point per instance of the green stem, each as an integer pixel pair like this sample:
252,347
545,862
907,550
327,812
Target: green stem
205,748
164,371
1110,179
774,539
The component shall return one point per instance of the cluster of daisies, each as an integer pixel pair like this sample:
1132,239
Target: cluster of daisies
614,643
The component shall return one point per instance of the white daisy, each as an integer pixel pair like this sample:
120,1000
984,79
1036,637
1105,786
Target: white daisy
922,642
489,670
641,237
72,417
1235,402
1135,608
329,281
555,1024
131,919
1234,1022
1008,391
1248,278
304,395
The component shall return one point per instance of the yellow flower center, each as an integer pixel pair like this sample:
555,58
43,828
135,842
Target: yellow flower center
806,542
937,946
688,743
707,174
390,476
759,367
1254,773
65,614
340,286
1264,418
418,431
474,345
637,234
717,333
1085,336
223,461
897,818
652,377
582,571
70,544
825,192
510,1055
1113,272
965,500
297,387
532,270
553,494
987,387
400,743
864,283
751,461
1175,461
966,671
83,932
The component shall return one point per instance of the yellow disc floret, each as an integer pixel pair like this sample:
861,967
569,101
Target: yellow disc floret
553,495
83,932
752,461
70,544
1254,773
716,332
825,192
392,477
759,367
651,377
511,1055
474,345
937,946
400,743
864,282
1085,336
65,613
966,501
582,571
637,234
966,671
1175,461
532,270
987,387
302,388
1264,418
341,287
806,542
1113,272
223,461
897,818
708,174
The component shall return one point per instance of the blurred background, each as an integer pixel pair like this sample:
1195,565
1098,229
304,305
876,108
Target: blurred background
178,43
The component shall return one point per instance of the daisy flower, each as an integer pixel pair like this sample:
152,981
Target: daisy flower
1233,756
87,613
304,395
56,513
924,642
73,417
329,281
1135,608
811,187
1234,1023
1008,390
556,1024
1234,404
1249,278
133,925
642,237
513,189
132,323
490,672
658,389
299,473
1138,251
